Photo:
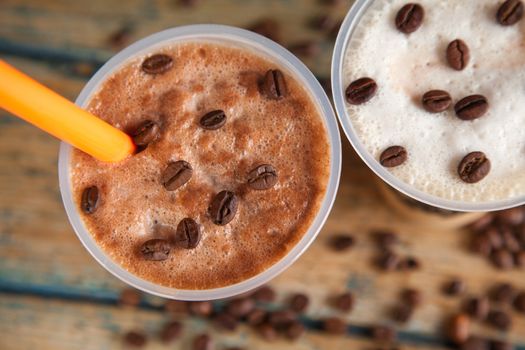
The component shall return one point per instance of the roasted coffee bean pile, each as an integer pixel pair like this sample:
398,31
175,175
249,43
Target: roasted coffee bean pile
500,238
474,166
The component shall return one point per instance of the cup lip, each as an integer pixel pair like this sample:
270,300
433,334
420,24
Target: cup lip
343,38
244,38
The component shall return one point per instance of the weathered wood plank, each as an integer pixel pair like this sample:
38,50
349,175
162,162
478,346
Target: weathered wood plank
33,323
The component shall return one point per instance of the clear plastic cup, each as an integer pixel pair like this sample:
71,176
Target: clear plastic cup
262,46
348,27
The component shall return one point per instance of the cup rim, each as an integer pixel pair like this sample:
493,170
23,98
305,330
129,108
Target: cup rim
343,39
279,55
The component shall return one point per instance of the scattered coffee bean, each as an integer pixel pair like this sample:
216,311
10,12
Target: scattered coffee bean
409,263
409,18
510,242
500,345
130,297
177,307
402,313
273,85
202,342
334,325
90,199
256,317
225,321
388,261
502,259
342,242
200,308
299,302
344,302
120,37
267,332
267,27
384,334
494,237
223,207
145,133
171,331
510,12
385,239
412,297
481,245
265,294
474,167
393,156
240,307
135,339
482,223
213,120
157,64
176,174
477,308
458,54
519,302
294,330
519,259
454,287
188,234
262,177
499,320
323,23
281,319
436,101
459,328
503,293
471,107
513,216
475,343
155,249
308,48
360,91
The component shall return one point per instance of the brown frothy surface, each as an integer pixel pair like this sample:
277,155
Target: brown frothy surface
134,207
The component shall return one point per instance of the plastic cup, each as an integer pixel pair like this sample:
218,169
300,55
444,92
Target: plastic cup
348,27
220,34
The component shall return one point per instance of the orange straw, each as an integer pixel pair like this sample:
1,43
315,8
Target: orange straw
35,103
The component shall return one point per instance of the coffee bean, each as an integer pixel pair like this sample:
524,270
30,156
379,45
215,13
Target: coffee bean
510,241
299,302
213,120
409,18
494,237
499,320
334,325
481,245
459,328
171,331
502,259
188,234
202,342
262,177
176,307
360,91
402,313
157,64
519,302
267,332
155,249
384,334
90,200
322,22
477,308
335,29
513,216
200,308
225,321
458,54
256,317
393,156
264,294
412,297
294,330
176,174
519,259
500,345
436,101
342,242
388,261
129,297
409,263
471,107
281,319
344,302
135,339
267,27
474,167
240,307
307,48
454,287
482,223
273,85
145,133
475,343
510,12
385,239
223,207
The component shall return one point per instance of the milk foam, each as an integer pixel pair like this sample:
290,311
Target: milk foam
407,66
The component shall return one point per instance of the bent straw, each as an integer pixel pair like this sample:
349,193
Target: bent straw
38,105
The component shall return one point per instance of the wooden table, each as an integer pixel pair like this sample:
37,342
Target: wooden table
53,295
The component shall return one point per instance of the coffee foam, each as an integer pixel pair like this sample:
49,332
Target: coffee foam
289,134
407,66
